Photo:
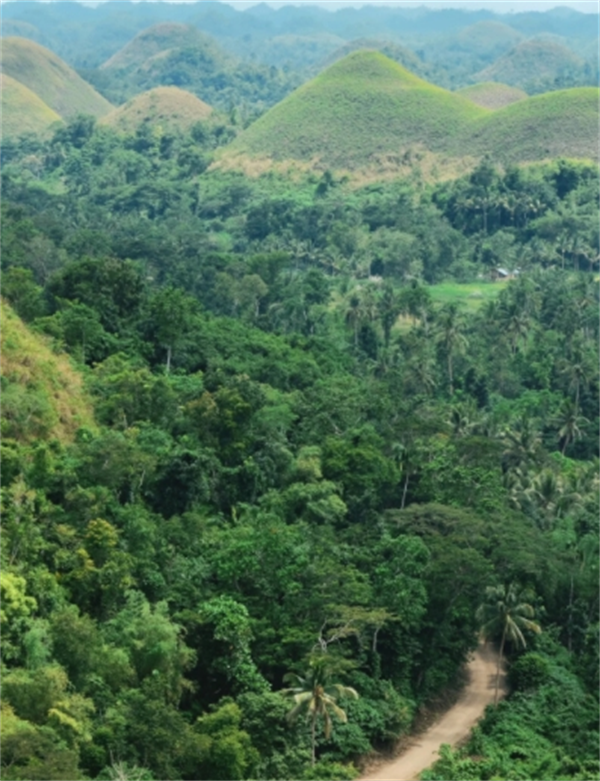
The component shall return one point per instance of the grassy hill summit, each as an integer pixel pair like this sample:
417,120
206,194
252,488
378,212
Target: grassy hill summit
394,51
362,107
490,94
51,79
42,394
169,107
22,110
538,61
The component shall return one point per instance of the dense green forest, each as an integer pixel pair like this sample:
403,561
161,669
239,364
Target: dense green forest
300,449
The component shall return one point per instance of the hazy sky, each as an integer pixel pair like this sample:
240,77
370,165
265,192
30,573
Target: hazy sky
499,6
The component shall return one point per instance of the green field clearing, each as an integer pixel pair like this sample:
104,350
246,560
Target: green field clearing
471,295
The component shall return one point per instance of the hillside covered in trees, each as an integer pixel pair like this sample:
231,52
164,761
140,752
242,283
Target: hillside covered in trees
280,444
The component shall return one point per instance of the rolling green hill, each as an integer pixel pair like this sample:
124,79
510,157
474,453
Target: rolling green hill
52,80
490,94
560,123
366,109
22,110
169,107
533,65
363,107
42,395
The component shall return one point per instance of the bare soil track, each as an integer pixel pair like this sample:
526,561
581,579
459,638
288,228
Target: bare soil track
452,727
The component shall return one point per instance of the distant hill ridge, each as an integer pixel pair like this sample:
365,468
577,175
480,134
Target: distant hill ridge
533,61
366,107
51,79
156,40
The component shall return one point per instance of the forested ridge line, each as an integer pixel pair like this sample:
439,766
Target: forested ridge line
313,469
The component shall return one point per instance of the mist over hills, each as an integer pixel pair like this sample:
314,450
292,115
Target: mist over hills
86,37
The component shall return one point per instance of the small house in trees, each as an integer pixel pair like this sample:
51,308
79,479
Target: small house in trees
503,274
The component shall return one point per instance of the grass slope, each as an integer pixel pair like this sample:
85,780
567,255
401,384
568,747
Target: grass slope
535,61
51,79
169,107
42,395
366,108
362,107
489,94
561,123
22,110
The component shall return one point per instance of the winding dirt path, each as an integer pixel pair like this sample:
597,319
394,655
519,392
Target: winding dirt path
452,727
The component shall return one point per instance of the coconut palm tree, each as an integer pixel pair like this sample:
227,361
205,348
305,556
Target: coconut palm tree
505,613
450,338
315,696
570,422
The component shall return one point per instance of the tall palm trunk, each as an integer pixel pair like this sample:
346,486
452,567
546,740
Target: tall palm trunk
313,757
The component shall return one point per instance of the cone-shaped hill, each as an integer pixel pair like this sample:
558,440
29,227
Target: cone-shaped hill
51,79
490,94
22,110
169,107
366,112
538,61
362,107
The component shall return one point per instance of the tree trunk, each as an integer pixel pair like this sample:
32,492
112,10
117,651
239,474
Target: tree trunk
570,618
450,377
169,351
313,725
499,665
404,490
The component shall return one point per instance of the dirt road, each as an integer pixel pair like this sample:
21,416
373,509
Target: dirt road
453,727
